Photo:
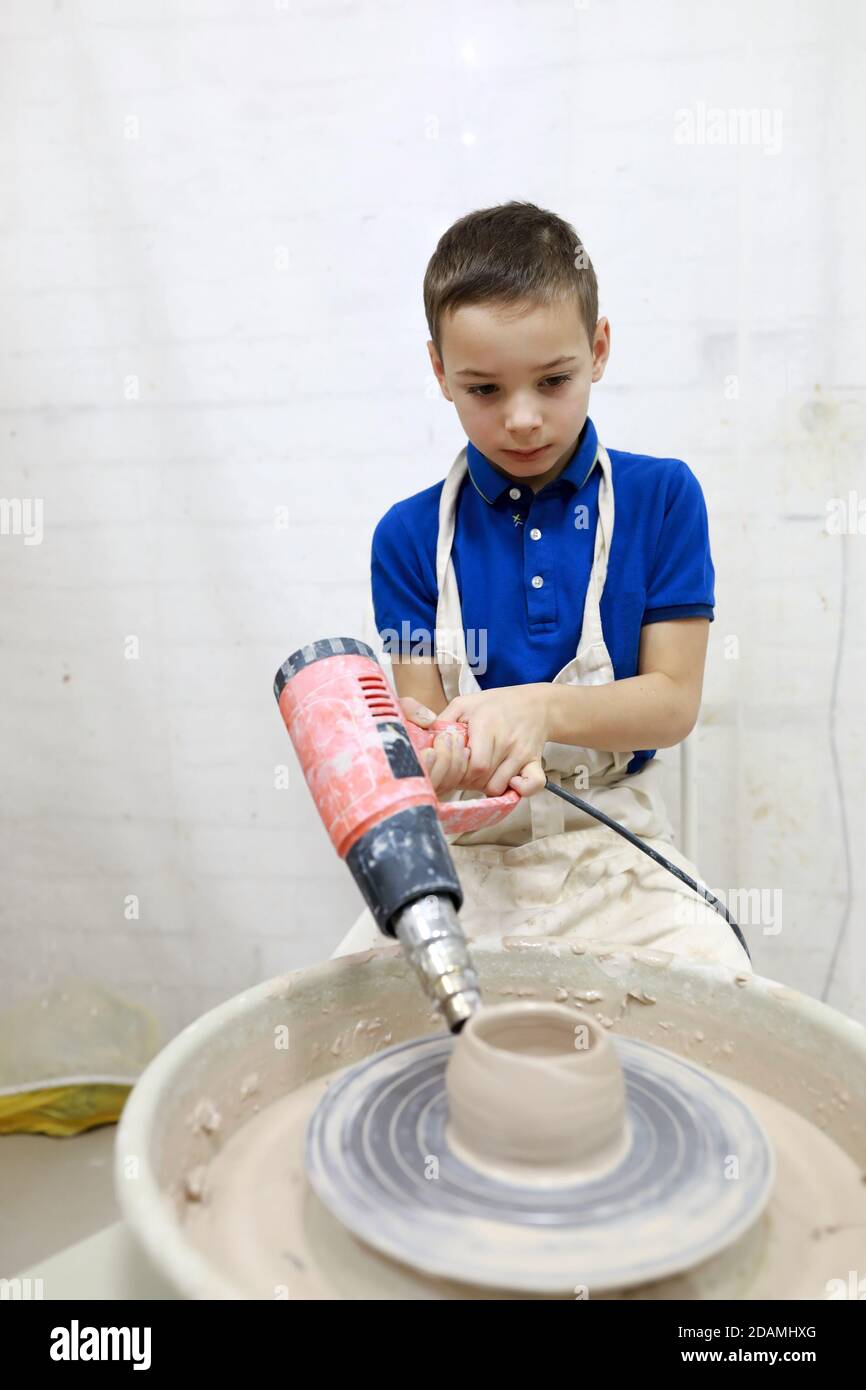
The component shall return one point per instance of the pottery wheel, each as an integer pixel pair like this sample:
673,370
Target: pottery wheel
697,1174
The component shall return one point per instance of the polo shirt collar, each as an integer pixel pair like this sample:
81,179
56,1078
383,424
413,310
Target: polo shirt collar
492,484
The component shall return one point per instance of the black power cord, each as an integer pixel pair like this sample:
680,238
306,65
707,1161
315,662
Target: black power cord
653,854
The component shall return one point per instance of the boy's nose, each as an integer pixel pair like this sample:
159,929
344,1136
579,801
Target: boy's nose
521,429
521,410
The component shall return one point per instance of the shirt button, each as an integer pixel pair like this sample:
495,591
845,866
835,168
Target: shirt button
537,581
535,533
515,493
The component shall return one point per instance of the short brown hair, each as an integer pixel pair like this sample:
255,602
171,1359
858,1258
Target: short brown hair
510,253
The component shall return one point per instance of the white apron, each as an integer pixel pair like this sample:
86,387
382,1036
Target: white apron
550,869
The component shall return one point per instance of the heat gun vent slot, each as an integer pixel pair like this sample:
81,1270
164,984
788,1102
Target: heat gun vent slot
377,693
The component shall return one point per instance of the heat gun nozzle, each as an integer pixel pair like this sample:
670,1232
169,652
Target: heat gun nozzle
430,933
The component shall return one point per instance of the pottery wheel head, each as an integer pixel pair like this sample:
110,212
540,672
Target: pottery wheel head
696,1174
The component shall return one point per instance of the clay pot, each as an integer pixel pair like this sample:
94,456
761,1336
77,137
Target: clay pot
536,1094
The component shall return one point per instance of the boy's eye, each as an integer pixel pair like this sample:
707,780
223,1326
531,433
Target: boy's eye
552,381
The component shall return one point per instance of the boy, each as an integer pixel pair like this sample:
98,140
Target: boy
594,635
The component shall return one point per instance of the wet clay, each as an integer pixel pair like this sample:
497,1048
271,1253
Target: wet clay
536,1095
252,1212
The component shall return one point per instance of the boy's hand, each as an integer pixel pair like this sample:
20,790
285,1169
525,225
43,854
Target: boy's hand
447,760
508,728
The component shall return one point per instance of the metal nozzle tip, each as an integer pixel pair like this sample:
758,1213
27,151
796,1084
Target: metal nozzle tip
459,1008
430,933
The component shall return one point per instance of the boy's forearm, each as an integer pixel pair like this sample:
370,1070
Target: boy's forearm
649,711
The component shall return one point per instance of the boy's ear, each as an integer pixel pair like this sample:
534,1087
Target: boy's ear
438,369
600,348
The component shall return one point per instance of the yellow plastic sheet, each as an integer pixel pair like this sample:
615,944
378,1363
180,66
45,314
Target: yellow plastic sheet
61,1110
69,1058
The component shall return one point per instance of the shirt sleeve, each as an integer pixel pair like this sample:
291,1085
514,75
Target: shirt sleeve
682,580
403,603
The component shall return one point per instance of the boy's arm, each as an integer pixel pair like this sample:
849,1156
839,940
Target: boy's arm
654,709
420,680
509,725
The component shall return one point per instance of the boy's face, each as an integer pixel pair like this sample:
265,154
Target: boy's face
498,371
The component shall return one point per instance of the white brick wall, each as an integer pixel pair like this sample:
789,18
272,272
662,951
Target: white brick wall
224,211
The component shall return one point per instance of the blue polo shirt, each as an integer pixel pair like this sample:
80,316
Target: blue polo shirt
522,561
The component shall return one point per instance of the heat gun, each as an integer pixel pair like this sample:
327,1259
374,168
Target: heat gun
359,757
377,803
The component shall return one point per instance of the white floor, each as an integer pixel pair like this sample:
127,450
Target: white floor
55,1192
